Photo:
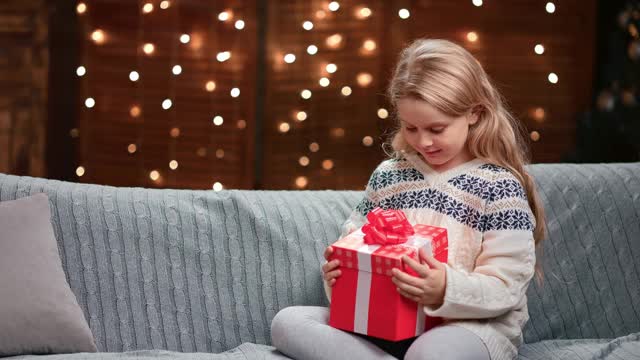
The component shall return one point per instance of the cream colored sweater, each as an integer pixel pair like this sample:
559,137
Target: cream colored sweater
491,246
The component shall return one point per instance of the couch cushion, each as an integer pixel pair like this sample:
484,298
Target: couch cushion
38,312
245,351
625,347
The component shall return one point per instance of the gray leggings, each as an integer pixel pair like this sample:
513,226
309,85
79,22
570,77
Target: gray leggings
301,332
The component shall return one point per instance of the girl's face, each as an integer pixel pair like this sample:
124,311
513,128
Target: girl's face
439,138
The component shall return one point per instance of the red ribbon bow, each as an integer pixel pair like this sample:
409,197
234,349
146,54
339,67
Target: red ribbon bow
386,227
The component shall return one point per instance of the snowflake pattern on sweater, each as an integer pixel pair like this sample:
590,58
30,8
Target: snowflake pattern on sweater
489,191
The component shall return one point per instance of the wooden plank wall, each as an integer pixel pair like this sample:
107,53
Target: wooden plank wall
206,153
23,86
507,33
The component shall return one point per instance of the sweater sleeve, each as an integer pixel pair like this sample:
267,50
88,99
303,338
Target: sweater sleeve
505,264
357,218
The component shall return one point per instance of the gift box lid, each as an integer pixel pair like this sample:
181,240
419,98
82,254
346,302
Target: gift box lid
353,253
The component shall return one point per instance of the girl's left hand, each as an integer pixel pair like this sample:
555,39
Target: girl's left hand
429,287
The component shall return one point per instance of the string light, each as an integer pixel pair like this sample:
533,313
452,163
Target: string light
289,58
223,56
535,136
217,186
404,14
185,38
334,41
210,85
284,127
224,16
305,94
369,45
74,133
363,13
324,82
477,3
81,8
197,41
307,25
241,124
176,70
314,147
553,78
331,68
239,24
148,48
301,116
166,104
173,164
539,49
135,111
345,91
132,148
337,132
174,132
154,175
327,164
383,113
164,5
538,114
81,71
80,171
98,36
303,161
235,92
134,76
472,36
201,152
147,8
219,153
321,14
301,182
89,103
367,141
334,6
218,120
550,7
312,49
364,79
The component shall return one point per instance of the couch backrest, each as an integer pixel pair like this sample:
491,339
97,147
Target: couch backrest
187,270
206,271
591,255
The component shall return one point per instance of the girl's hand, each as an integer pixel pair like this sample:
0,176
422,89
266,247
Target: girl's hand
429,287
330,268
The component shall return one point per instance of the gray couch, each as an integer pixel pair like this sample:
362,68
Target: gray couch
200,274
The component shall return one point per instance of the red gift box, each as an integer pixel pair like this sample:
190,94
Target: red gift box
364,300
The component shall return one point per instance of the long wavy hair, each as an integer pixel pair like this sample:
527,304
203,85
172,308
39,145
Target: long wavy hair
449,78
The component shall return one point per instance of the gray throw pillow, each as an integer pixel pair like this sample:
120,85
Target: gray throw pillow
38,312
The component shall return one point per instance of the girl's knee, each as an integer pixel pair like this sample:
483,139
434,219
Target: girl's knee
435,352
294,319
448,342
417,353
281,322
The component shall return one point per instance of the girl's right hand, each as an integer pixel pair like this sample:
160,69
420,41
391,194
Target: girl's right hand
330,268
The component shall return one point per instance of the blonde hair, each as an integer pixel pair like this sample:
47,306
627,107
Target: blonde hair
449,78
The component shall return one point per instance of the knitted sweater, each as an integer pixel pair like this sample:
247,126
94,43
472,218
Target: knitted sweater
491,247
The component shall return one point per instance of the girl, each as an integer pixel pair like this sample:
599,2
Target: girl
457,162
